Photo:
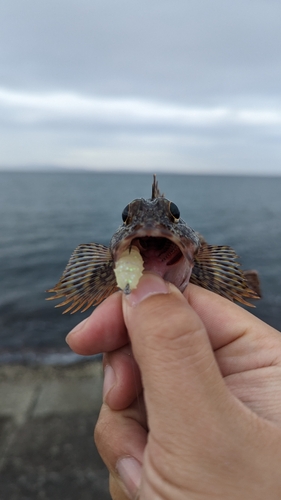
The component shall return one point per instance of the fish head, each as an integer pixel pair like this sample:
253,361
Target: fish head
166,243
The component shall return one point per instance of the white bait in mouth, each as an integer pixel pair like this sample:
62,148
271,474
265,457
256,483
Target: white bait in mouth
128,269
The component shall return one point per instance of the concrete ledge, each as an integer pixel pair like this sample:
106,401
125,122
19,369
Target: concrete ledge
16,399
47,417
64,396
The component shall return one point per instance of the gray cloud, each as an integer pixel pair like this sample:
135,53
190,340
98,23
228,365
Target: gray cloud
187,83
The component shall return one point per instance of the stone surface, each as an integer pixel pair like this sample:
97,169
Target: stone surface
67,396
15,399
47,417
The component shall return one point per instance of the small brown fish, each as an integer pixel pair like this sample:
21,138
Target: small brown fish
168,246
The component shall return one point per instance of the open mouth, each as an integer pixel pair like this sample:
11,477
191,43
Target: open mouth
162,256
157,250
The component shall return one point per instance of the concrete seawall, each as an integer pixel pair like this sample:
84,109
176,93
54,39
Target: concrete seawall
47,417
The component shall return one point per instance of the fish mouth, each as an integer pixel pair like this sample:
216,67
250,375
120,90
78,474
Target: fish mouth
164,255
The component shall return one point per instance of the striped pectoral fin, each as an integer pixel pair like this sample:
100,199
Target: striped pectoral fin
87,280
216,268
253,280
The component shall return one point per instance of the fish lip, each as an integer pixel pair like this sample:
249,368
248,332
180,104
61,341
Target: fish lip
186,246
177,272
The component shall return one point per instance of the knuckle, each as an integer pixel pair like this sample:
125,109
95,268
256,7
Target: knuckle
102,429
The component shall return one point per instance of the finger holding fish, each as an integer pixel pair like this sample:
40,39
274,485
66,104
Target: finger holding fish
103,331
240,341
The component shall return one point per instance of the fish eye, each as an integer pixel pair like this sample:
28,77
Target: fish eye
174,211
125,213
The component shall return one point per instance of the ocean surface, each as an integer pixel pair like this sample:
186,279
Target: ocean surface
44,216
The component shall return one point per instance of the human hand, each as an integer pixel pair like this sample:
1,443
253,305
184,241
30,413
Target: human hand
211,376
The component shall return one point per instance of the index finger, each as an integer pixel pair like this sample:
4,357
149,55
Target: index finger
103,331
238,337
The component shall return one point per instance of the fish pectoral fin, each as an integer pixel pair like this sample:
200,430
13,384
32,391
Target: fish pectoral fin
87,280
217,269
253,280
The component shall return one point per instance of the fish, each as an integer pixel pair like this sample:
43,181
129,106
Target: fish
168,246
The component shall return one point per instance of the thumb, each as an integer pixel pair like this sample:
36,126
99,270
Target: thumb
180,375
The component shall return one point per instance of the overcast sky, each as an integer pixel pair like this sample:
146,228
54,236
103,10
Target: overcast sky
176,85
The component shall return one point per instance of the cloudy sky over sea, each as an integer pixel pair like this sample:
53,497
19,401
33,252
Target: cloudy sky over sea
171,85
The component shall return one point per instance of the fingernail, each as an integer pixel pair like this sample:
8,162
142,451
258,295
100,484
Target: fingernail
109,380
76,329
129,470
149,284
